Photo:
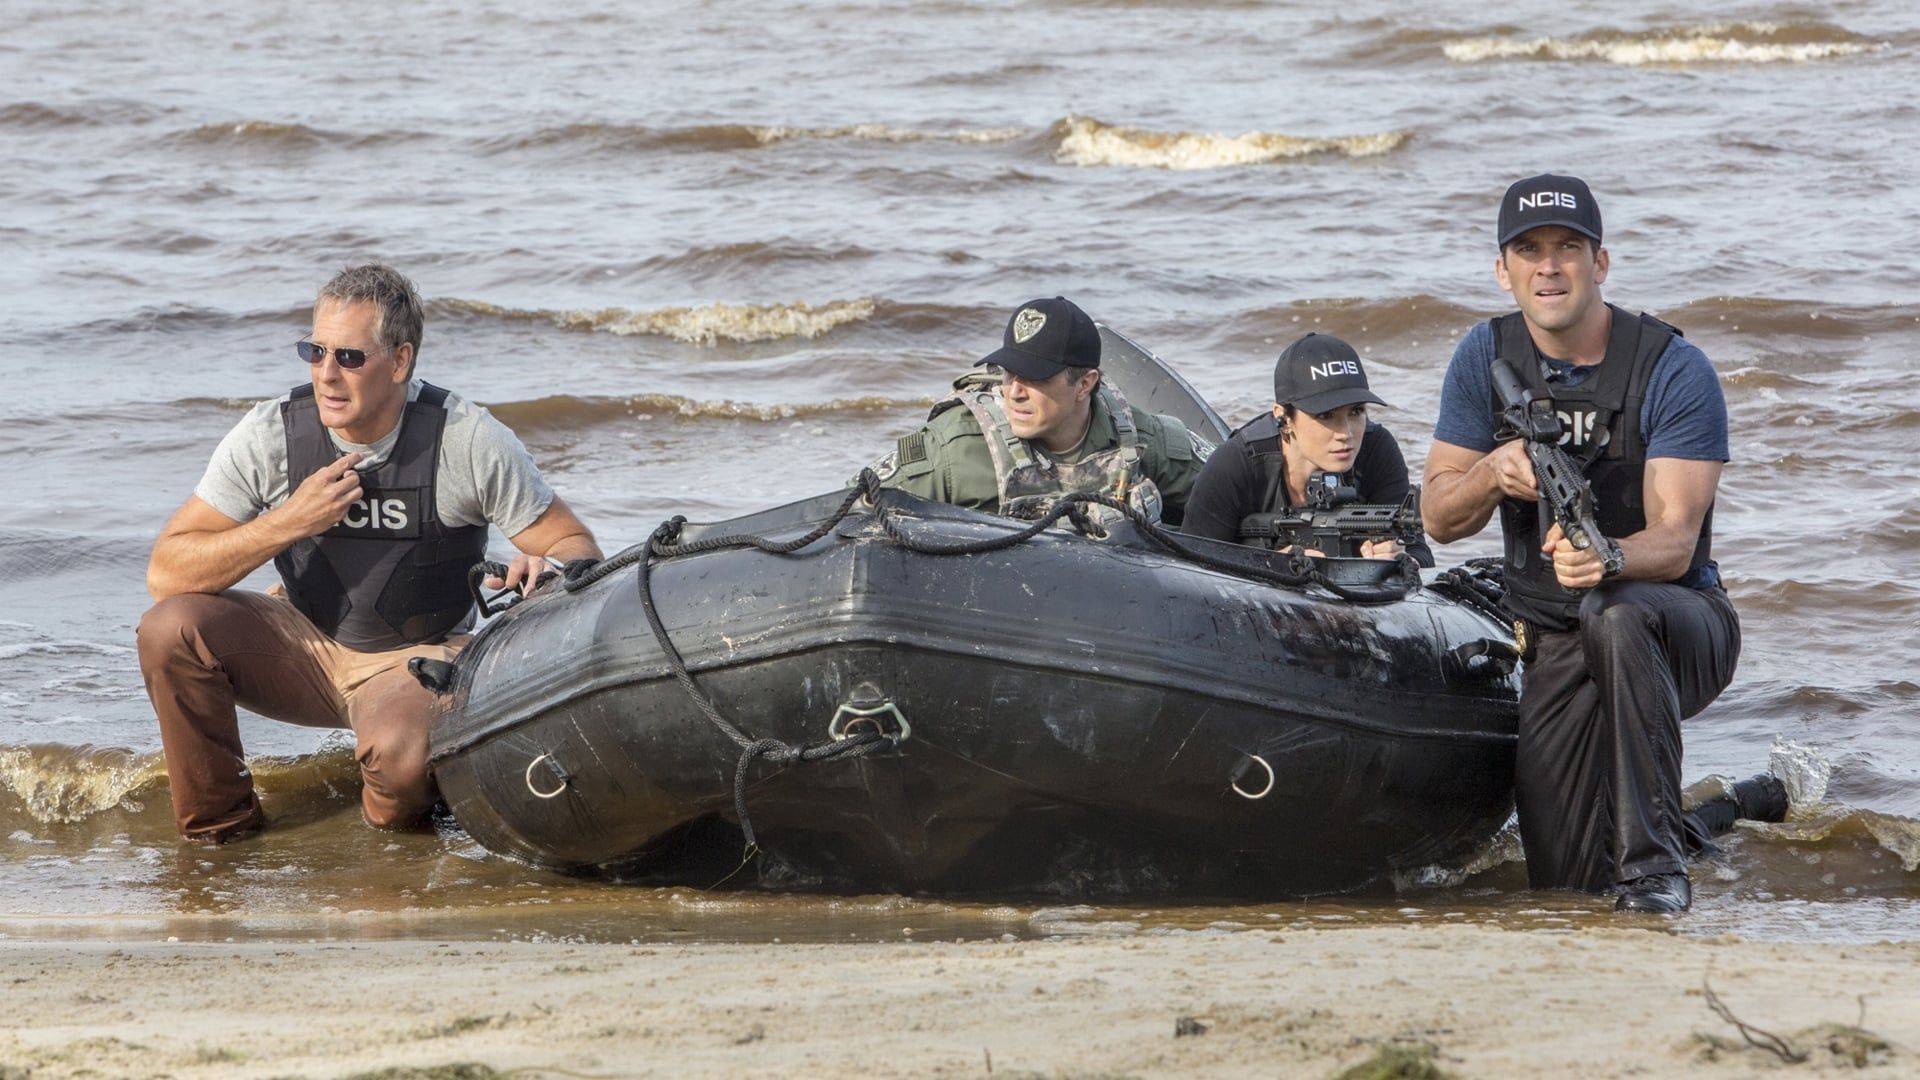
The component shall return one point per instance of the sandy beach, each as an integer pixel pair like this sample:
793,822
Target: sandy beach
1468,1001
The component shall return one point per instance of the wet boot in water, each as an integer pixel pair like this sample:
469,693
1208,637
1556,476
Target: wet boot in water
1761,798
1757,798
1656,894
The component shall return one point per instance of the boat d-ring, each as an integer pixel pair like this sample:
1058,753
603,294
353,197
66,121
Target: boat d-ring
565,777
1263,792
850,716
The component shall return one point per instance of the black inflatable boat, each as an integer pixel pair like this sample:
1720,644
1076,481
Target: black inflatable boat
1049,714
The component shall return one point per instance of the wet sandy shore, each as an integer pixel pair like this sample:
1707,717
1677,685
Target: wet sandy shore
1476,1002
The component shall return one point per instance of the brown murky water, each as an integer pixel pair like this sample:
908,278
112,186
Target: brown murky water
704,264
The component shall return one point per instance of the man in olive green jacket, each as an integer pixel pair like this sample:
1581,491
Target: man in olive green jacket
1041,422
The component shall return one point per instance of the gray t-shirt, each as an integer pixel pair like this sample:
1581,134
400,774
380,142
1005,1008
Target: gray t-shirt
485,476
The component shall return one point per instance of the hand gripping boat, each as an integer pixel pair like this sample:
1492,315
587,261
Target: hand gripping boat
926,699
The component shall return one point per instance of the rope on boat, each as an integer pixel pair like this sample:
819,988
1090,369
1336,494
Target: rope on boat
660,546
1298,571
1477,583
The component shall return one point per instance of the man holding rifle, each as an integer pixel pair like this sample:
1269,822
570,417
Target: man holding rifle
1618,608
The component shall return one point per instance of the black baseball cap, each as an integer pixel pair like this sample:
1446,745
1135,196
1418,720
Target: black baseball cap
1045,336
1549,199
1320,372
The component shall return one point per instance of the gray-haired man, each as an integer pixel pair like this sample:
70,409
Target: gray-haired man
372,492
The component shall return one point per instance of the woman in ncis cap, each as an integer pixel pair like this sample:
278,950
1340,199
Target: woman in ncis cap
1317,432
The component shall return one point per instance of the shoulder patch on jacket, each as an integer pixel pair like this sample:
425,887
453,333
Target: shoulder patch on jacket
911,448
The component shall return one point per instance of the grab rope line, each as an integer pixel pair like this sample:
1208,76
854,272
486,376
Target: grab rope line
663,544
1299,571
1474,582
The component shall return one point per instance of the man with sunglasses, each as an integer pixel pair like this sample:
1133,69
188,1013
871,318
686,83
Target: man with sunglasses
372,493
1041,421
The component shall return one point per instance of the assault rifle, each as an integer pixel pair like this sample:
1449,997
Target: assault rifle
1330,521
1563,486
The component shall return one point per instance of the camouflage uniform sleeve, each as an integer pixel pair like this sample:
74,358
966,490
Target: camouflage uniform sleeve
1173,457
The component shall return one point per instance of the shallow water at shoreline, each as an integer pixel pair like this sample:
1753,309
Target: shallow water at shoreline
1829,874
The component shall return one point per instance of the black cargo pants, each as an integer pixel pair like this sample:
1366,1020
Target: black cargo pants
1597,768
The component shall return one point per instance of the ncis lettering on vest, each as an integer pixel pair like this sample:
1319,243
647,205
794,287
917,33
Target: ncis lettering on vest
388,574
1602,418
385,515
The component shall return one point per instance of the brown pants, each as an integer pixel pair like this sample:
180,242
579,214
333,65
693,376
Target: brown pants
204,654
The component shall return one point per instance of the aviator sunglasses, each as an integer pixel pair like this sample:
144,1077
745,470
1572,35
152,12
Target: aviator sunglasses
348,359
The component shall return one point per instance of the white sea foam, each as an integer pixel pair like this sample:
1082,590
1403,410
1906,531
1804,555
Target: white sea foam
1803,770
1503,847
1718,43
705,325
884,133
1087,141
69,786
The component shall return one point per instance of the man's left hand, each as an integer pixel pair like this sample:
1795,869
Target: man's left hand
1385,548
523,573
1575,569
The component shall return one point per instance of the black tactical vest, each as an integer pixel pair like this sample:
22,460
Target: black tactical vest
389,574
1262,437
1602,419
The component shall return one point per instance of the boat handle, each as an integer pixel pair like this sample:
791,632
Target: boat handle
1263,792
565,778
849,715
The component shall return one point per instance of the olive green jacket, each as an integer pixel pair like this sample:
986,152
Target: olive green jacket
947,460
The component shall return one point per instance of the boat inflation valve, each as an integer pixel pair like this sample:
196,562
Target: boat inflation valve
435,675
1240,774
557,773
867,709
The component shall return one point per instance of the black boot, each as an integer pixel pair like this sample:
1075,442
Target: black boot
1761,798
1656,894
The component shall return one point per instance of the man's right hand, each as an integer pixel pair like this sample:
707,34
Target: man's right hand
322,499
1513,471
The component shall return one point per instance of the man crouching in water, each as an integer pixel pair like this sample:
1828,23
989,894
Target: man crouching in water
1042,422
372,492
1626,637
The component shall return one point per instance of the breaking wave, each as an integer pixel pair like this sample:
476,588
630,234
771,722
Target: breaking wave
1088,142
709,324
567,412
1075,140
734,136
274,135
48,784
60,784
1717,43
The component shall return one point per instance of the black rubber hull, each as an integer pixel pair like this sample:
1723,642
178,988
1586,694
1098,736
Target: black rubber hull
1080,716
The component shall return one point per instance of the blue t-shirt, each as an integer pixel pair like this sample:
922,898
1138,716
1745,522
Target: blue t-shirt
1684,415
